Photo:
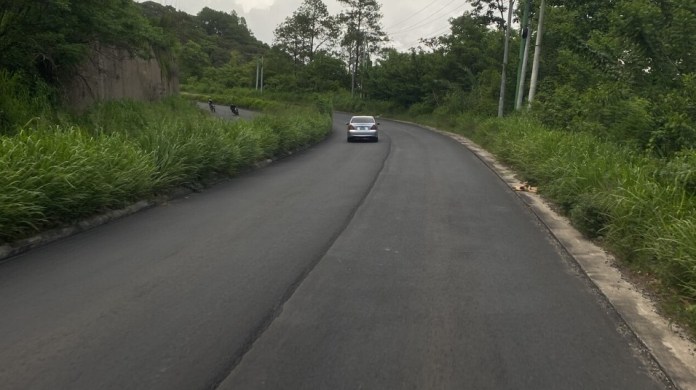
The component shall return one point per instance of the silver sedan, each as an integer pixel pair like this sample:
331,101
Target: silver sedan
363,127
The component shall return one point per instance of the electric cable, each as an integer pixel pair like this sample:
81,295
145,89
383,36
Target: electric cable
414,14
434,35
429,18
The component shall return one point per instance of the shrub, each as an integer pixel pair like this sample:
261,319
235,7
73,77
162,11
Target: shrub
22,101
676,119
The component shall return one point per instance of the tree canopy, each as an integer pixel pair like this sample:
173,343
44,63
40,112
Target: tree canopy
207,41
622,69
309,30
49,38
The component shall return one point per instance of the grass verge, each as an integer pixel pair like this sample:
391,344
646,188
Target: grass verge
641,208
120,152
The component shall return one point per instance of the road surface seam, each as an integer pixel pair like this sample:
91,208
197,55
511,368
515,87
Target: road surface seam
268,320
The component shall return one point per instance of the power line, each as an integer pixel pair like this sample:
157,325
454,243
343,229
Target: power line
414,14
426,21
434,35
429,18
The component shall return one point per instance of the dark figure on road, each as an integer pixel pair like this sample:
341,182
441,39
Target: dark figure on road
211,105
234,109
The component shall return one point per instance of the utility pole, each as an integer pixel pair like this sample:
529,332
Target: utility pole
363,69
523,73
503,77
537,53
524,52
352,78
261,74
258,73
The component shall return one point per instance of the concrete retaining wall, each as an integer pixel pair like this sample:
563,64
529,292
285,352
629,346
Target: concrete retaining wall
111,73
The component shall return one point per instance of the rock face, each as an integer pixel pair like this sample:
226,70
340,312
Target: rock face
111,73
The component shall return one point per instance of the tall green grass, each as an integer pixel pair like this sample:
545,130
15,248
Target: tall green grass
23,101
121,152
642,208
59,174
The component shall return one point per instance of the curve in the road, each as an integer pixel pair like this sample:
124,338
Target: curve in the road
444,279
399,264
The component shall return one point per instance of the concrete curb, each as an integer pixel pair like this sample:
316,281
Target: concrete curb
667,342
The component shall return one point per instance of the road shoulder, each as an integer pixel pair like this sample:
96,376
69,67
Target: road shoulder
667,342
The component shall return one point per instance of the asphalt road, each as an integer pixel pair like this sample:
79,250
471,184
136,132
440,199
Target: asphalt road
402,264
224,111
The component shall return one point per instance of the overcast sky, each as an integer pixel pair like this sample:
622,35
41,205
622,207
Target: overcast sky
404,20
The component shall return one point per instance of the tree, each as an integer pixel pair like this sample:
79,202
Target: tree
622,69
491,11
362,33
320,29
278,70
471,49
309,30
192,60
398,77
288,38
325,73
50,38
225,33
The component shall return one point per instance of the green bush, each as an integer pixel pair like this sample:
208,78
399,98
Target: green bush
419,109
664,124
22,101
675,128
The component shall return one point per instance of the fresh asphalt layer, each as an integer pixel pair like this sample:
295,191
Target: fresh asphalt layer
401,264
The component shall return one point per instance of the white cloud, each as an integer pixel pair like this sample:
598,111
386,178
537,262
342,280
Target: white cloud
248,5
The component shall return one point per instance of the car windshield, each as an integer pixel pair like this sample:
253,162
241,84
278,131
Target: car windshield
362,119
